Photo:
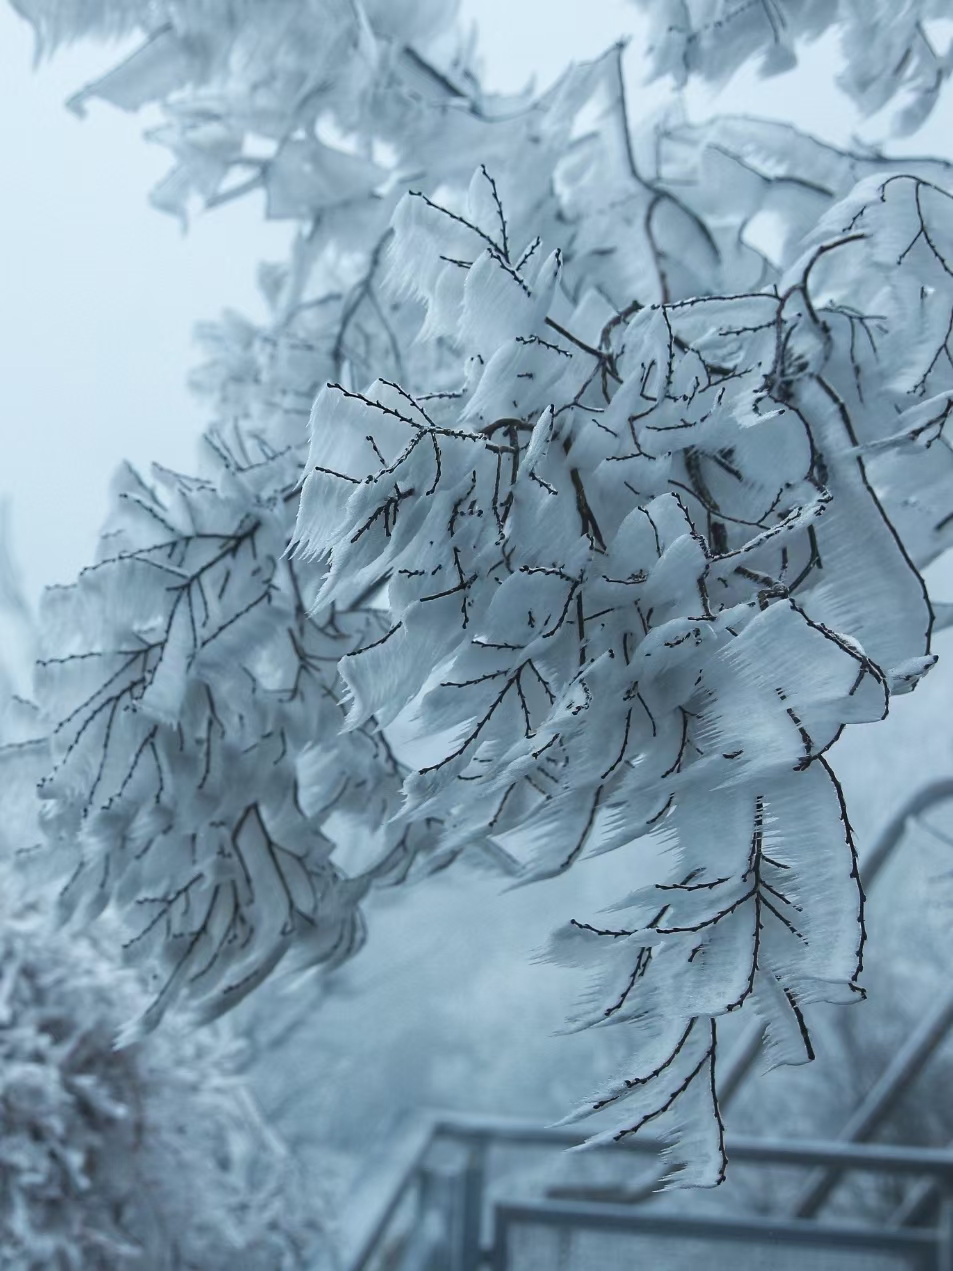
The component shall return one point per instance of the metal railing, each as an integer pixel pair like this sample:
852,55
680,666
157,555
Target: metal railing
443,1212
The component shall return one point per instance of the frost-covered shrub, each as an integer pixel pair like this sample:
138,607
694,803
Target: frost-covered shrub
152,1156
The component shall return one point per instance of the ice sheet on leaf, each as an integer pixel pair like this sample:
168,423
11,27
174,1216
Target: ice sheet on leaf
782,691
676,1100
158,67
386,676
848,594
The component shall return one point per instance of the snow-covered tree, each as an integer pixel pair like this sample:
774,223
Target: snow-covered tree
548,516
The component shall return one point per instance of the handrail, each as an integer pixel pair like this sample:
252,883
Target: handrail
934,1163
867,1157
622,1218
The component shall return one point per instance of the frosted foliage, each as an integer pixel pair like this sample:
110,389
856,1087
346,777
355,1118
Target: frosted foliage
604,527
186,670
103,1152
61,21
210,811
887,46
621,593
243,86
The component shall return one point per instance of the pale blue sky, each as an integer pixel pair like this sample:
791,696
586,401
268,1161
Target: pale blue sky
100,295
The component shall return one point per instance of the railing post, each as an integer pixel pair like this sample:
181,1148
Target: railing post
944,1244
446,1233
471,1218
428,1246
